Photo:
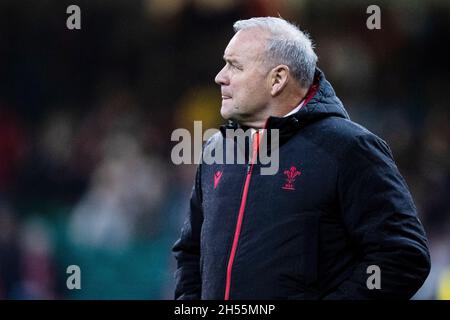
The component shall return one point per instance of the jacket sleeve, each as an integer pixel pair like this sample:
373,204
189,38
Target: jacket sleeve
379,215
187,248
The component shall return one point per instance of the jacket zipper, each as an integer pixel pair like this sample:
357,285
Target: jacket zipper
241,215
310,94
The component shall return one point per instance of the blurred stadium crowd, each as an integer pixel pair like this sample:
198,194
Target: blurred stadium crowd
86,117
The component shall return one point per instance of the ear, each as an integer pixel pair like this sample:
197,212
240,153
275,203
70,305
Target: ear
279,77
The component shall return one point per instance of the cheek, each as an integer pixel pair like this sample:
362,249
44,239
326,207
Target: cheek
255,91
249,86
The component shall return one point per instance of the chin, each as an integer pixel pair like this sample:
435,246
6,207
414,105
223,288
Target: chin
226,114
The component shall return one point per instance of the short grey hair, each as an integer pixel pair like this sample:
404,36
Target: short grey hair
287,44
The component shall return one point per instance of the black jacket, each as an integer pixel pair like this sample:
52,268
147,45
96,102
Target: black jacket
337,205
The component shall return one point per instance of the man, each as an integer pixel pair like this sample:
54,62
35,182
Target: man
335,222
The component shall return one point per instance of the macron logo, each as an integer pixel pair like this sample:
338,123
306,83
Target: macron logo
217,177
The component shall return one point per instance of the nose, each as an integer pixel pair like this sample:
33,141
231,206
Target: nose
221,78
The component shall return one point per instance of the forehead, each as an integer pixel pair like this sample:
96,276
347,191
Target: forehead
246,44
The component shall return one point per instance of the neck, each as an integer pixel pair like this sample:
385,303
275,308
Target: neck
256,124
288,103
279,107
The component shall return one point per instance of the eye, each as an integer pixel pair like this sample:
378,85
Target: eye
234,66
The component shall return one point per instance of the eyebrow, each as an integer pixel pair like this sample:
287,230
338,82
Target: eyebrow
231,60
228,58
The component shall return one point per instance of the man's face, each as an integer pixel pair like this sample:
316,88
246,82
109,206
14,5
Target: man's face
244,78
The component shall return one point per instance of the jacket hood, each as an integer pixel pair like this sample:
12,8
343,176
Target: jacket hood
321,101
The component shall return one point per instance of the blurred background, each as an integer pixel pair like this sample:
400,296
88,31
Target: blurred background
86,117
